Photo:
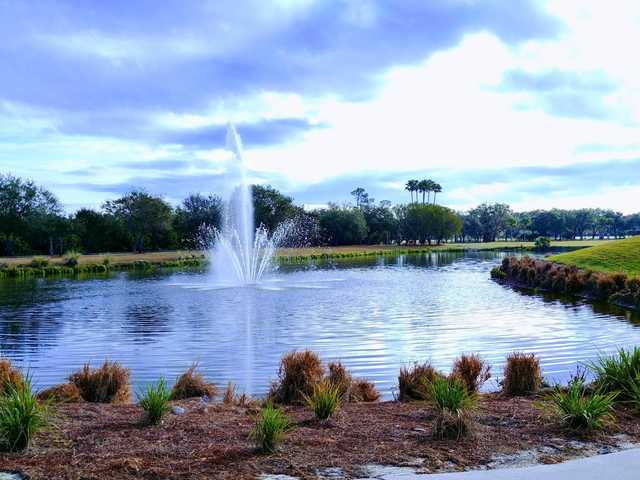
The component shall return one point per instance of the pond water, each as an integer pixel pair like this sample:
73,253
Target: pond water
374,314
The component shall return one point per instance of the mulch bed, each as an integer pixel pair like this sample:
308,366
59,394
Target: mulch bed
94,441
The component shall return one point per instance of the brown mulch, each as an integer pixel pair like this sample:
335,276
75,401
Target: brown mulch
96,441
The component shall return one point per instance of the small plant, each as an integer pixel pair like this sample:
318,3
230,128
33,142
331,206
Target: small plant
271,424
412,381
341,378
579,411
472,370
71,258
65,393
363,391
39,262
453,402
9,376
21,416
618,373
299,373
192,384
107,384
155,401
522,375
324,400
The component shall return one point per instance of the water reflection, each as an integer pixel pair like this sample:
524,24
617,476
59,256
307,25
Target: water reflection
373,313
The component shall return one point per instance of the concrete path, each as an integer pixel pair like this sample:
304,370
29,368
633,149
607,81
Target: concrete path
623,465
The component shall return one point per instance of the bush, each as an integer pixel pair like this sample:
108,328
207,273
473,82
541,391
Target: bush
472,371
155,401
522,374
351,390
107,262
192,384
453,402
324,399
341,378
107,384
271,424
579,411
65,393
9,376
498,274
363,391
542,243
299,372
618,373
71,258
412,380
21,416
39,262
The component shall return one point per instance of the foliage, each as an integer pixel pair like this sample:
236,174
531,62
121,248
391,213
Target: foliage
107,384
453,402
299,373
542,243
271,208
363,391
39,262
9,376
412,380
324,399
472,371
350,389
71,259
21,416
619,373
197,210
342,225
192,384
428,223
64,393
522,375
579,411
269,429
155,401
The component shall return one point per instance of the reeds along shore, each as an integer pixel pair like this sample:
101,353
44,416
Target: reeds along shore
305,382
616,288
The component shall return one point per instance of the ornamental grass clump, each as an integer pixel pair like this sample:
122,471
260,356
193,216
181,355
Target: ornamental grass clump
155,402
472,371
579,411
9,376
619,373
522,374
299,372
324,400
412,381
271,425
363,391
355,390
64,393
107,384
453,404
21,416
192,384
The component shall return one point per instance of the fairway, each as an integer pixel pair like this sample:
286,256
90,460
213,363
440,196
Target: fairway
616,256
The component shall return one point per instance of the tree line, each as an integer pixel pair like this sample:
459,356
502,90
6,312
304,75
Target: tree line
32,221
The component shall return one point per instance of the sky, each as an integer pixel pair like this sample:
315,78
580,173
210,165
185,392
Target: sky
531,103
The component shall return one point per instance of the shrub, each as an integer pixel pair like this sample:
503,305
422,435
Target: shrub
107,261
21,416
230,397
618,373
363,391
299,372
498,273
351,390
522,374
9,376
107,384
411,381
155,401
472,371
579,411
65,393
192,384
271,424
542,243
324,399
453,402
71,258
39,262
341,378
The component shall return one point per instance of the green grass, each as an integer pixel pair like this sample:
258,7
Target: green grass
615,256
271,424
155,401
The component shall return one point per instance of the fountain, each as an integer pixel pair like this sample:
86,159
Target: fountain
241,253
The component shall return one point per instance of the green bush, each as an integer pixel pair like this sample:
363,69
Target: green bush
155,401
619,373
39,262
324,400
578,410
71,258
271,424
542,243
453,403
21,416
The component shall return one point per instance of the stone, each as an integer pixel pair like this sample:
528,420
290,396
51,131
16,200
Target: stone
176,410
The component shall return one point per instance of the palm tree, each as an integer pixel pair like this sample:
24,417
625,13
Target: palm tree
437,188
412,186
423,187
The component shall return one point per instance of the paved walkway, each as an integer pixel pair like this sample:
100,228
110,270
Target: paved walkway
623,465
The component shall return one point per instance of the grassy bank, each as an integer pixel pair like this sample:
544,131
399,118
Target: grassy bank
101,263
621,256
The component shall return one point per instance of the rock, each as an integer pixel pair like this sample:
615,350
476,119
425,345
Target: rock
176,410
11,476
277,477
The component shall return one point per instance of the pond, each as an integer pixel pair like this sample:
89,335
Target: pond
374,314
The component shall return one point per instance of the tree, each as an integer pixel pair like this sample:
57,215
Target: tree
195,212
361,196
427,223
382,225
493,219
435,188
147,219
412,186
271,208
342,225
